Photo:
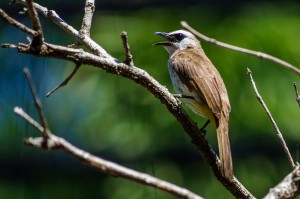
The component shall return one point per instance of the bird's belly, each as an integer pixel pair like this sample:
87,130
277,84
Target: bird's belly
195,104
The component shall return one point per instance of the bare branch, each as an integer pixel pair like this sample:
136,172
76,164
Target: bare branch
242,50
87,18
38,38
85,40
55,142
297,94
15,23
287,188
19,111
37,103
65,82
279,135
128,59
111,168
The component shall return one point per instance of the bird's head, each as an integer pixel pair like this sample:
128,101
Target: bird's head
178,40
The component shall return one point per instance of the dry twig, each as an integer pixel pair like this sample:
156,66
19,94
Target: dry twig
65,82
87,18
297,93
17,24
128,55
242,50
37,103
279,135
38,38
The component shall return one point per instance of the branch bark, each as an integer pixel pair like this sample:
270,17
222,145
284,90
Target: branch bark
287,188
87,18
38,38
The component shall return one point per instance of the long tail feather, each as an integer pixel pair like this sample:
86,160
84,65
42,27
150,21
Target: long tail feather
224,148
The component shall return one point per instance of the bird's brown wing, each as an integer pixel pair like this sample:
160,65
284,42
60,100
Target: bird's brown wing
197,72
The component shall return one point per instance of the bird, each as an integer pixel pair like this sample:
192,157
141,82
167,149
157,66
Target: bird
199,84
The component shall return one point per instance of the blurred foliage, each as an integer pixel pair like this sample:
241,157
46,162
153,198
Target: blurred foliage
116,119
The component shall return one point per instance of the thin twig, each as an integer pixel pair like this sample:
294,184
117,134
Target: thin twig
297,93
15,23
242,50
66,81
279,135
19,111
87,18
38,39
128,55
37,102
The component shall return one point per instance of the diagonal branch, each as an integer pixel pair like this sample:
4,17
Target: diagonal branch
37,103
279,135
242,50
17,24
38,38
87,18
297,93
65,82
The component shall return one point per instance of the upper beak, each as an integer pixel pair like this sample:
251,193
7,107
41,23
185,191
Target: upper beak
163,43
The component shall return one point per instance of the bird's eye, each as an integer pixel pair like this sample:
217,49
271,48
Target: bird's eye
179,36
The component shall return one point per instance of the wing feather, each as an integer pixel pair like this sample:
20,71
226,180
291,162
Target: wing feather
202,79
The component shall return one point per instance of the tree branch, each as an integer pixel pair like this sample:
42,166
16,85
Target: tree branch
297,94
17,24
65,82
38,38
85,40
287,188
37,103
279,135
128,55
242,50
87,18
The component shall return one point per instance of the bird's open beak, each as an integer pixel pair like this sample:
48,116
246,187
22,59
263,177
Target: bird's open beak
163,43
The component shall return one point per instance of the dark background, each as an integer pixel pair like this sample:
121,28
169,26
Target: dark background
118,120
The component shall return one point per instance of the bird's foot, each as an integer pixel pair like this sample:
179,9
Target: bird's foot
202,129
183,96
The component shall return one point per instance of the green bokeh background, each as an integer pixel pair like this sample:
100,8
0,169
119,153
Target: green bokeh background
118,120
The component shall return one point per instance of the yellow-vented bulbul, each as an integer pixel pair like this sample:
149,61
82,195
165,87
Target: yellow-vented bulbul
201,86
